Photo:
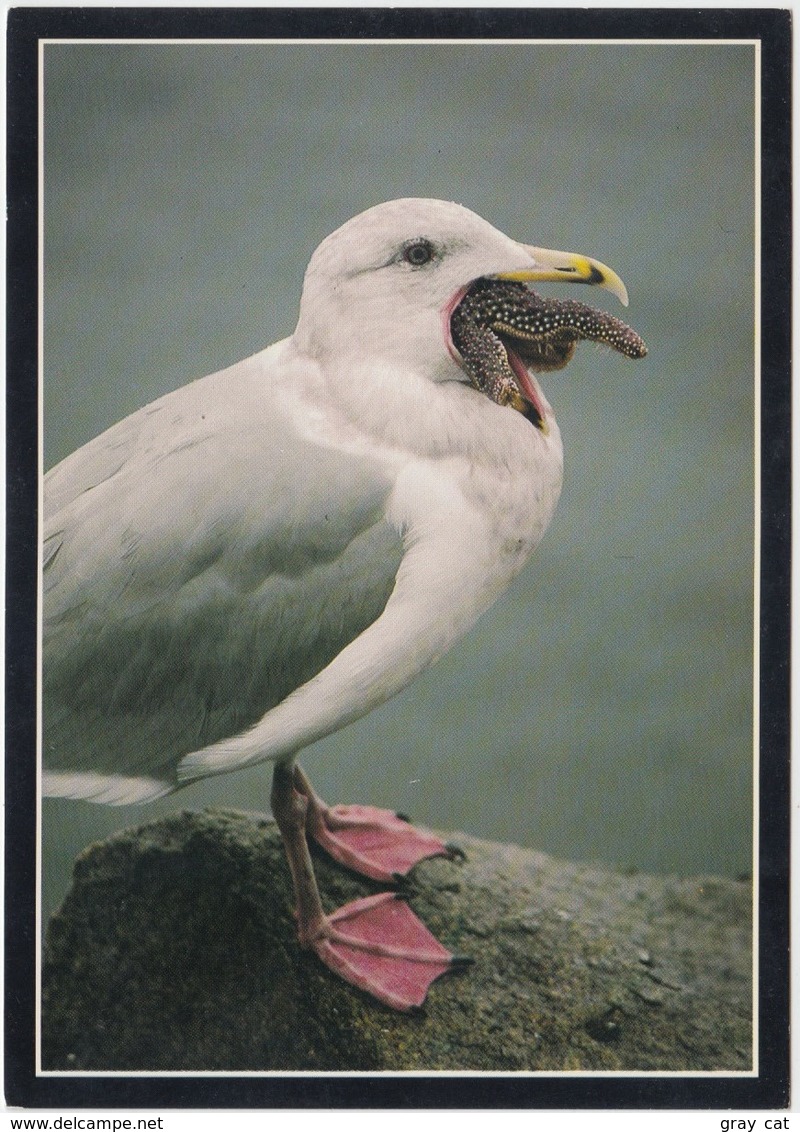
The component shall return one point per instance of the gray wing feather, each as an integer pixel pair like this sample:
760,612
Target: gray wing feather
201,561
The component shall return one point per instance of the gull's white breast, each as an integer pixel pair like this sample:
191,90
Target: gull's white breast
266,554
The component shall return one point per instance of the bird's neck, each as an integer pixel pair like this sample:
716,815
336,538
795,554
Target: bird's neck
406,408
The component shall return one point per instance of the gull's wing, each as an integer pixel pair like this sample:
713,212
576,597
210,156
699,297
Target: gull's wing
202,560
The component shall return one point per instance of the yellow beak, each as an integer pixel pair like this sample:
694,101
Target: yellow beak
564,267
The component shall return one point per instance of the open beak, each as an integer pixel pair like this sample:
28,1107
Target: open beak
565,267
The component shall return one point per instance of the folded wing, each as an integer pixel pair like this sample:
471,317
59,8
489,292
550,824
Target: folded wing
202,560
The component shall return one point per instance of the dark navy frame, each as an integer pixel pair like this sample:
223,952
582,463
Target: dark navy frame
26,26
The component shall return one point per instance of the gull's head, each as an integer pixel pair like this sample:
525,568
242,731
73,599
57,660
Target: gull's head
384,286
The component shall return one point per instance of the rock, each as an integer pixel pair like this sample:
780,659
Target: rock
175,949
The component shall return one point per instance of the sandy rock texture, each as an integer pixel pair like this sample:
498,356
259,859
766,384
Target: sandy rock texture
175,949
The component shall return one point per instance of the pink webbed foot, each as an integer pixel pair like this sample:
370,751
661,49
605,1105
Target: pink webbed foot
377,943
373,842
380,946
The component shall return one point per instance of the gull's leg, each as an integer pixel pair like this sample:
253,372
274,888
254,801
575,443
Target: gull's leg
289,808
376,943
376,843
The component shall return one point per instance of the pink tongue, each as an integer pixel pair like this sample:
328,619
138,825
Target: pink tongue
526,385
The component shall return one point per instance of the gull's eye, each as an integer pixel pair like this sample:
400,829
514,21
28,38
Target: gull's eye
418,252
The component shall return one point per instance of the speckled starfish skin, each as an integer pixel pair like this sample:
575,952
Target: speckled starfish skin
495,316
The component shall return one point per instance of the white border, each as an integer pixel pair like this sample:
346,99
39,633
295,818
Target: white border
756,44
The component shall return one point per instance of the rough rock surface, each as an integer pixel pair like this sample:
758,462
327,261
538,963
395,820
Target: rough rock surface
175,949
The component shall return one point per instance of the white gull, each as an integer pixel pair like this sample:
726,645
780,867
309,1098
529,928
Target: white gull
265,555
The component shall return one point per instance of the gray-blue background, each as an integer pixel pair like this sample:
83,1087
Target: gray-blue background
603,709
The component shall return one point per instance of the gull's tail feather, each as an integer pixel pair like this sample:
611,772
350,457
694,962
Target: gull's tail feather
109,789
